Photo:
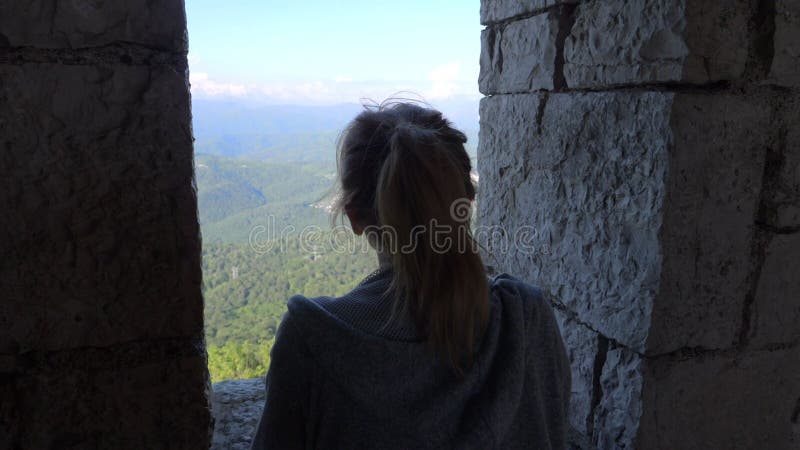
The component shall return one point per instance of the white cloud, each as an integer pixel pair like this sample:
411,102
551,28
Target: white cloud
202,85
445,72
443,83
446,81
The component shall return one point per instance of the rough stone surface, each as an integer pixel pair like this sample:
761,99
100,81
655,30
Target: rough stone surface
90,23
653,41
103,245
135,396
714,185
782,200
587,172
101,315
624,191
748,401
776,311
500,10
237,407
616,420
786,58
520,56
658,207
582,348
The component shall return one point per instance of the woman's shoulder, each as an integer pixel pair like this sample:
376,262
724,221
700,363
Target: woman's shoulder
307,312
508,286
527,297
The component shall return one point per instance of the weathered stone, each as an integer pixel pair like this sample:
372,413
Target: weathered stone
747,401
776,307
616,419
103,245
617,42
657,220
520,56
714,184
583,346
786,44
157,404
625,190
237,407
499,10
782,195
101,312
587,172
88,23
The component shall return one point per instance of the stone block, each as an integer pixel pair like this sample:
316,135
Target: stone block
714,185
745,401
499,10
157,404
583,346
626,190
89,23
786,44
618,42
519,56
587,171
776,309
616,419
782,197
237,406
103,245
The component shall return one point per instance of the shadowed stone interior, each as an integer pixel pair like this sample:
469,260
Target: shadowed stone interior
651,145
101,316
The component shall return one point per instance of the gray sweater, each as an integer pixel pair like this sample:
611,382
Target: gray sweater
341,378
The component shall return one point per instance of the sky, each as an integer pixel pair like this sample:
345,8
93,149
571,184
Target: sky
333,51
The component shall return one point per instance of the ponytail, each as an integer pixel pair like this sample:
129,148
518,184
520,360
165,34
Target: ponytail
407,167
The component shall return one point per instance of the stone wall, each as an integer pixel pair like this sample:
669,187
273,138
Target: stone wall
101,314
653,147
237,407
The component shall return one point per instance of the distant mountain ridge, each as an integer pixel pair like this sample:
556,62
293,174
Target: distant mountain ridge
293,132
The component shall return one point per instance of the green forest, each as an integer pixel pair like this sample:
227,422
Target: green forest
250,272
246,293
258,196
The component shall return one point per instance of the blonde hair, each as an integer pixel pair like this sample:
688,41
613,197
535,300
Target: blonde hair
404,172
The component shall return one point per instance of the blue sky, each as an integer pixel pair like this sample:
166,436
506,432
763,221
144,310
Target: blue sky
316,51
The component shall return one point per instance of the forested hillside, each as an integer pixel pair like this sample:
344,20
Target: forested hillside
264,176
257,253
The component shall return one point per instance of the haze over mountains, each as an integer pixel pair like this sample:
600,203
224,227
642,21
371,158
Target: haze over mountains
242,128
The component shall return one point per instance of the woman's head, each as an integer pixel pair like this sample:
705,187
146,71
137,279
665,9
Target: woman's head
405,181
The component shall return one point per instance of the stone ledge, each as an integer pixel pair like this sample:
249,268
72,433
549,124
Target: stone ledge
84,23
237,407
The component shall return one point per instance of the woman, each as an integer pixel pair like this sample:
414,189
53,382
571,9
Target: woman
426,352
